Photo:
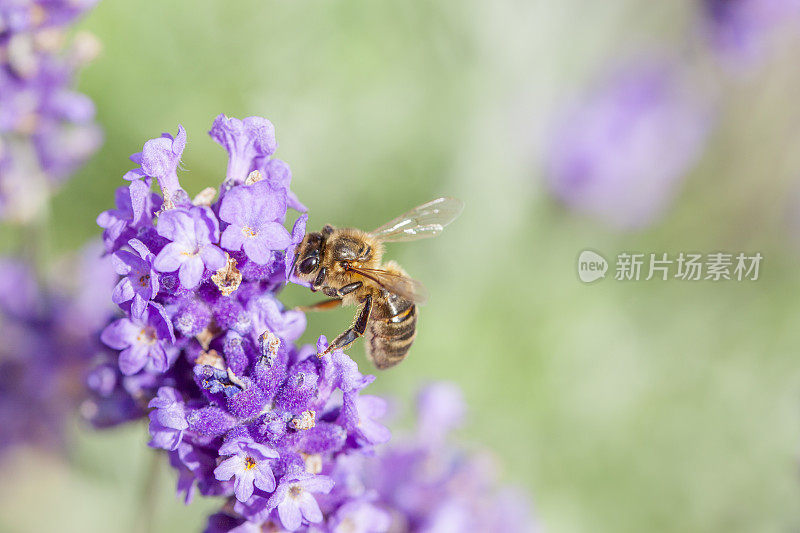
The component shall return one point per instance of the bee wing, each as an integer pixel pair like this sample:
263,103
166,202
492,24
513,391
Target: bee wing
403,286
426,220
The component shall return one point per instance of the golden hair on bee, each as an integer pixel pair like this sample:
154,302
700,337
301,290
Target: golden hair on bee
346,264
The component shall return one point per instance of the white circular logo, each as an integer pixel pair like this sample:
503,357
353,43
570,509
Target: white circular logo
591,266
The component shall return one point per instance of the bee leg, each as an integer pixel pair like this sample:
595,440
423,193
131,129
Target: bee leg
355,331
320,306
320,279
350,287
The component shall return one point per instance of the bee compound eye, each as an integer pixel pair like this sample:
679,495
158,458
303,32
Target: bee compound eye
308,265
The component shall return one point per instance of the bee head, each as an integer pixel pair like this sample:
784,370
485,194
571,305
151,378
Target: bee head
309,255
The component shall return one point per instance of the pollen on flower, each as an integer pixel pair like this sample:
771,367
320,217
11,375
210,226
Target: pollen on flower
211,358
205,197
249,463
208,334
253,177
295,491
312,462
269,344
249,232
306,420
147,335
144,280
228,278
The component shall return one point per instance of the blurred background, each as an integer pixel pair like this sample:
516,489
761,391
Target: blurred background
618,406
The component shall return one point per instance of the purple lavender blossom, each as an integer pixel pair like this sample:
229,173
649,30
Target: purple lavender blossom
283,435
246,141
47,130
135,207
295,502
140,281
142,340
253,215
249,464
621,153
417,484
192,233
238,406
167,419
160,159
358,414
741,31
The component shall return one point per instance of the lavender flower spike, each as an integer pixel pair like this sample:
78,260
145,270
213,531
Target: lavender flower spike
284,437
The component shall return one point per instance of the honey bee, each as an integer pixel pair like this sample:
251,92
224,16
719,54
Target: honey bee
346,265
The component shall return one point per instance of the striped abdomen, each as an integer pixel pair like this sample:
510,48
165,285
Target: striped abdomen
391,330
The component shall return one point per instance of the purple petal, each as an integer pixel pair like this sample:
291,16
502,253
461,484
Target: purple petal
244,140
139,305
191,272
309,507
290,514
233,238
213,257
257,250
264,478
177,225
133,359
275,236
123,292
139,193
243,485
171,257
119,334
322,484
228,468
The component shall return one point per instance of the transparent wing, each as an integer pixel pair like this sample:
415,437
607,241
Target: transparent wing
403,286
426,220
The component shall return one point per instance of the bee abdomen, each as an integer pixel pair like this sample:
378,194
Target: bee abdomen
390,335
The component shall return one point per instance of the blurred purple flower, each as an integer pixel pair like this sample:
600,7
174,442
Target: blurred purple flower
47,130
49,335
295,502
167,419
741,31
621,153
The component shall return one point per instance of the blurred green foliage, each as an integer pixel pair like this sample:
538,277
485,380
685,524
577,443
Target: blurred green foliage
620,407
